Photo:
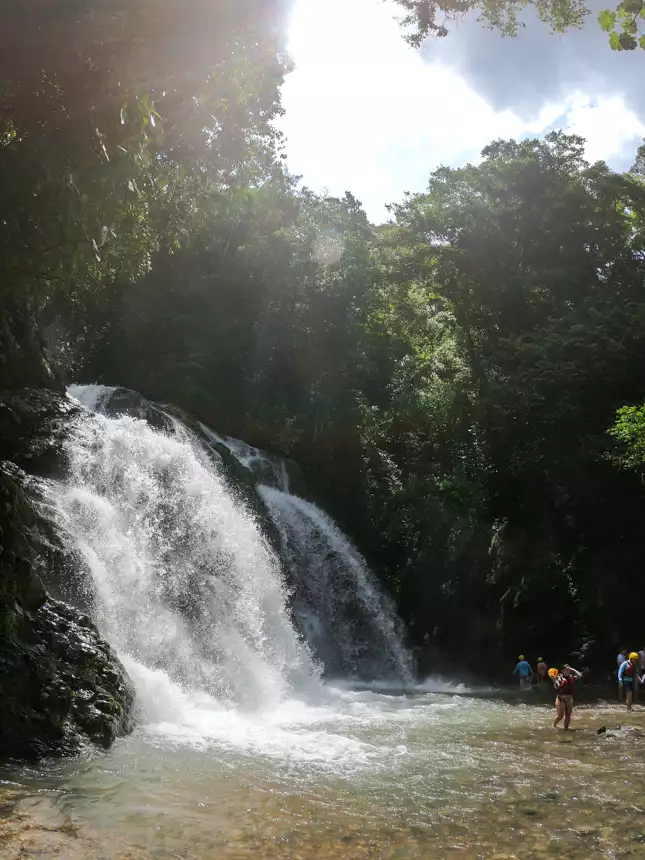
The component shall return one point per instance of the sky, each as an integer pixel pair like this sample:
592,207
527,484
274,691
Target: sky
366,113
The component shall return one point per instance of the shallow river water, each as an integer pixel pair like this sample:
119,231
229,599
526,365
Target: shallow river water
358,774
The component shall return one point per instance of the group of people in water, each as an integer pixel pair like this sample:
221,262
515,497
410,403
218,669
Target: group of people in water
631,674
563,682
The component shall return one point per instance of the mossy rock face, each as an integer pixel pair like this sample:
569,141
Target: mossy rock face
61,685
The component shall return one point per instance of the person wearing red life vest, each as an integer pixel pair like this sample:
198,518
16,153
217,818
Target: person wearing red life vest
564,684
627,678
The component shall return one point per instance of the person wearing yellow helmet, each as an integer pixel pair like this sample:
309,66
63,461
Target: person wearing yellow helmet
523,669
541,670
627,677
564,685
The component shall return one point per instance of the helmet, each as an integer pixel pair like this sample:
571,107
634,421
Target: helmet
633,655
521,657
553,672
540,660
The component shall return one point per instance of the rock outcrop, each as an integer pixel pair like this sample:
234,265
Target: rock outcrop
24,362
61,685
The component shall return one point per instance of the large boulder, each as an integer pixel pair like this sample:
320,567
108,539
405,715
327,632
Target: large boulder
61,685
33,423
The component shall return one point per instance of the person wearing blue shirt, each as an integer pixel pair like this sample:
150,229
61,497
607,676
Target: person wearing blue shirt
523,669
627,677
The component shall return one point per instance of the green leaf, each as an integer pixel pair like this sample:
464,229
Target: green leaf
614,41
607,20
641,42
627,42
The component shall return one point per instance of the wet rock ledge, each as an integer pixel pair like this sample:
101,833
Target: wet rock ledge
61,685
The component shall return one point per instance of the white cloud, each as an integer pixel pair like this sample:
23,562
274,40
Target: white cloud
609,127
365,113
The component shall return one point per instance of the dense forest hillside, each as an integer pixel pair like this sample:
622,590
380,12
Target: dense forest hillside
447,380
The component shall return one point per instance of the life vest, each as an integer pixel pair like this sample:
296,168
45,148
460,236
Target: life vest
567,685
630,670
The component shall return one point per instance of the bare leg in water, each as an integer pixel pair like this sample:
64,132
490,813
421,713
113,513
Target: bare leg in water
629,696
568,711
560,712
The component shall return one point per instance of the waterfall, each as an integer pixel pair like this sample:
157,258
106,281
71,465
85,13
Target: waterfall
183,579
268,469
348,621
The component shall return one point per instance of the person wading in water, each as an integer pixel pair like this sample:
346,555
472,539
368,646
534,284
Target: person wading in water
523,669
542,669
564,685
627,677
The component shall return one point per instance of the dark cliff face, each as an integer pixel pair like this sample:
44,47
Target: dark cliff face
24,362
61,685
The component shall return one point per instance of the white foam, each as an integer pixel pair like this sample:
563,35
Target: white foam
439,684
292,730
89,395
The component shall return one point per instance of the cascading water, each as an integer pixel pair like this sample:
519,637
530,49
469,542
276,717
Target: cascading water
348,621
184,580
267,468
186,585
350,624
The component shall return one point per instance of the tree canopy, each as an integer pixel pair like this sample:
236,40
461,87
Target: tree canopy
625,24
109,111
